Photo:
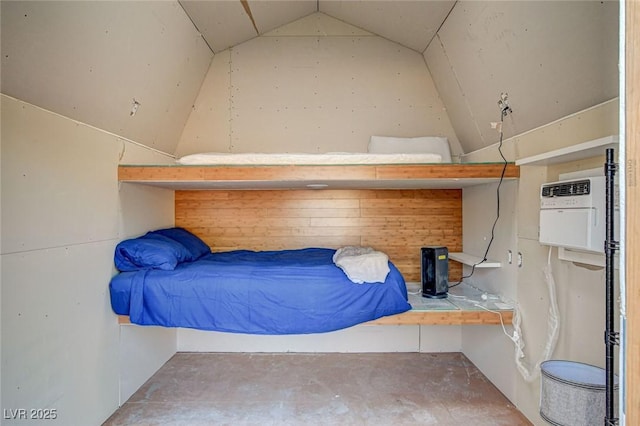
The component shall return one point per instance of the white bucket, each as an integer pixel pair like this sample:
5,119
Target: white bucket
573,394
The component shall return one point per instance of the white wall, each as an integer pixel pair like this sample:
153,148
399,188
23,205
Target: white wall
553,58
315,85
90,60
63,212
580,291
359,338
486,346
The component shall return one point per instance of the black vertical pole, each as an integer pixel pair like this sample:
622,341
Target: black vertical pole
611,336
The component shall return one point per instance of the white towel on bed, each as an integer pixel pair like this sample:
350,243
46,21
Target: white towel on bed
362,264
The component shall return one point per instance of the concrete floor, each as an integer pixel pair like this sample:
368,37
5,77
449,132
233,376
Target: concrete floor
318,389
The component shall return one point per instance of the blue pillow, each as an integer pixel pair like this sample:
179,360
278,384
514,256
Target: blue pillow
182,253
149,252
196,247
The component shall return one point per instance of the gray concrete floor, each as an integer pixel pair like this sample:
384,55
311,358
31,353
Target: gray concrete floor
318,389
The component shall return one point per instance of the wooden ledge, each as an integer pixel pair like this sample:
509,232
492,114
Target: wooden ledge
131,173
439,317
436,317
449,175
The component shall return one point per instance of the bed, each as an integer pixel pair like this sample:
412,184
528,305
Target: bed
414,183
298,291
381,150
389,163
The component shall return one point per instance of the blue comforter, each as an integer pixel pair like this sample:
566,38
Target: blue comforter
269,292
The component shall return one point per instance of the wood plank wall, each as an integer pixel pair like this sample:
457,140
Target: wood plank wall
398,222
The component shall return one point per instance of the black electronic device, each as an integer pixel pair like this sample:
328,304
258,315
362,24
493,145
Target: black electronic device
434,272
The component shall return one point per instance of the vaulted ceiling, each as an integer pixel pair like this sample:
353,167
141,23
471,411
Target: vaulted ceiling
92,61
224,24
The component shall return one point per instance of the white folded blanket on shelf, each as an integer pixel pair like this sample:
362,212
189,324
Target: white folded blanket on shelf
362,264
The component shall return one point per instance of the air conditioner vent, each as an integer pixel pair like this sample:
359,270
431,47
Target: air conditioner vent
567,189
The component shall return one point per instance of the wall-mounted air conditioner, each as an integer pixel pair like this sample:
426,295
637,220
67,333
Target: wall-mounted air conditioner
572,214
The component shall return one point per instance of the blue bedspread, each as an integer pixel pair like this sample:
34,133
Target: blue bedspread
269,292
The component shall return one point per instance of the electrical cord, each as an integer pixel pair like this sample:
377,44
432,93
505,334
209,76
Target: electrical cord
528,373
504,329
505,109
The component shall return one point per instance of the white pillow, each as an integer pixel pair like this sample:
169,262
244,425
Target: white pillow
425,144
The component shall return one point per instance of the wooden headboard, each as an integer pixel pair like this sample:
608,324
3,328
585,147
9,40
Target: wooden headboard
397,222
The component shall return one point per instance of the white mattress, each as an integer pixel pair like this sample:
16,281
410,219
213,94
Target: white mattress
335,158
391,144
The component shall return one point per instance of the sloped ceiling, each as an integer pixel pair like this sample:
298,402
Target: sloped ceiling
553,58
91,61
224,24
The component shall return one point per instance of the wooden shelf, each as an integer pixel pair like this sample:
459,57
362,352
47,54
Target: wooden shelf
435,317
463,306
441,317
571,153
468,259
388,176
